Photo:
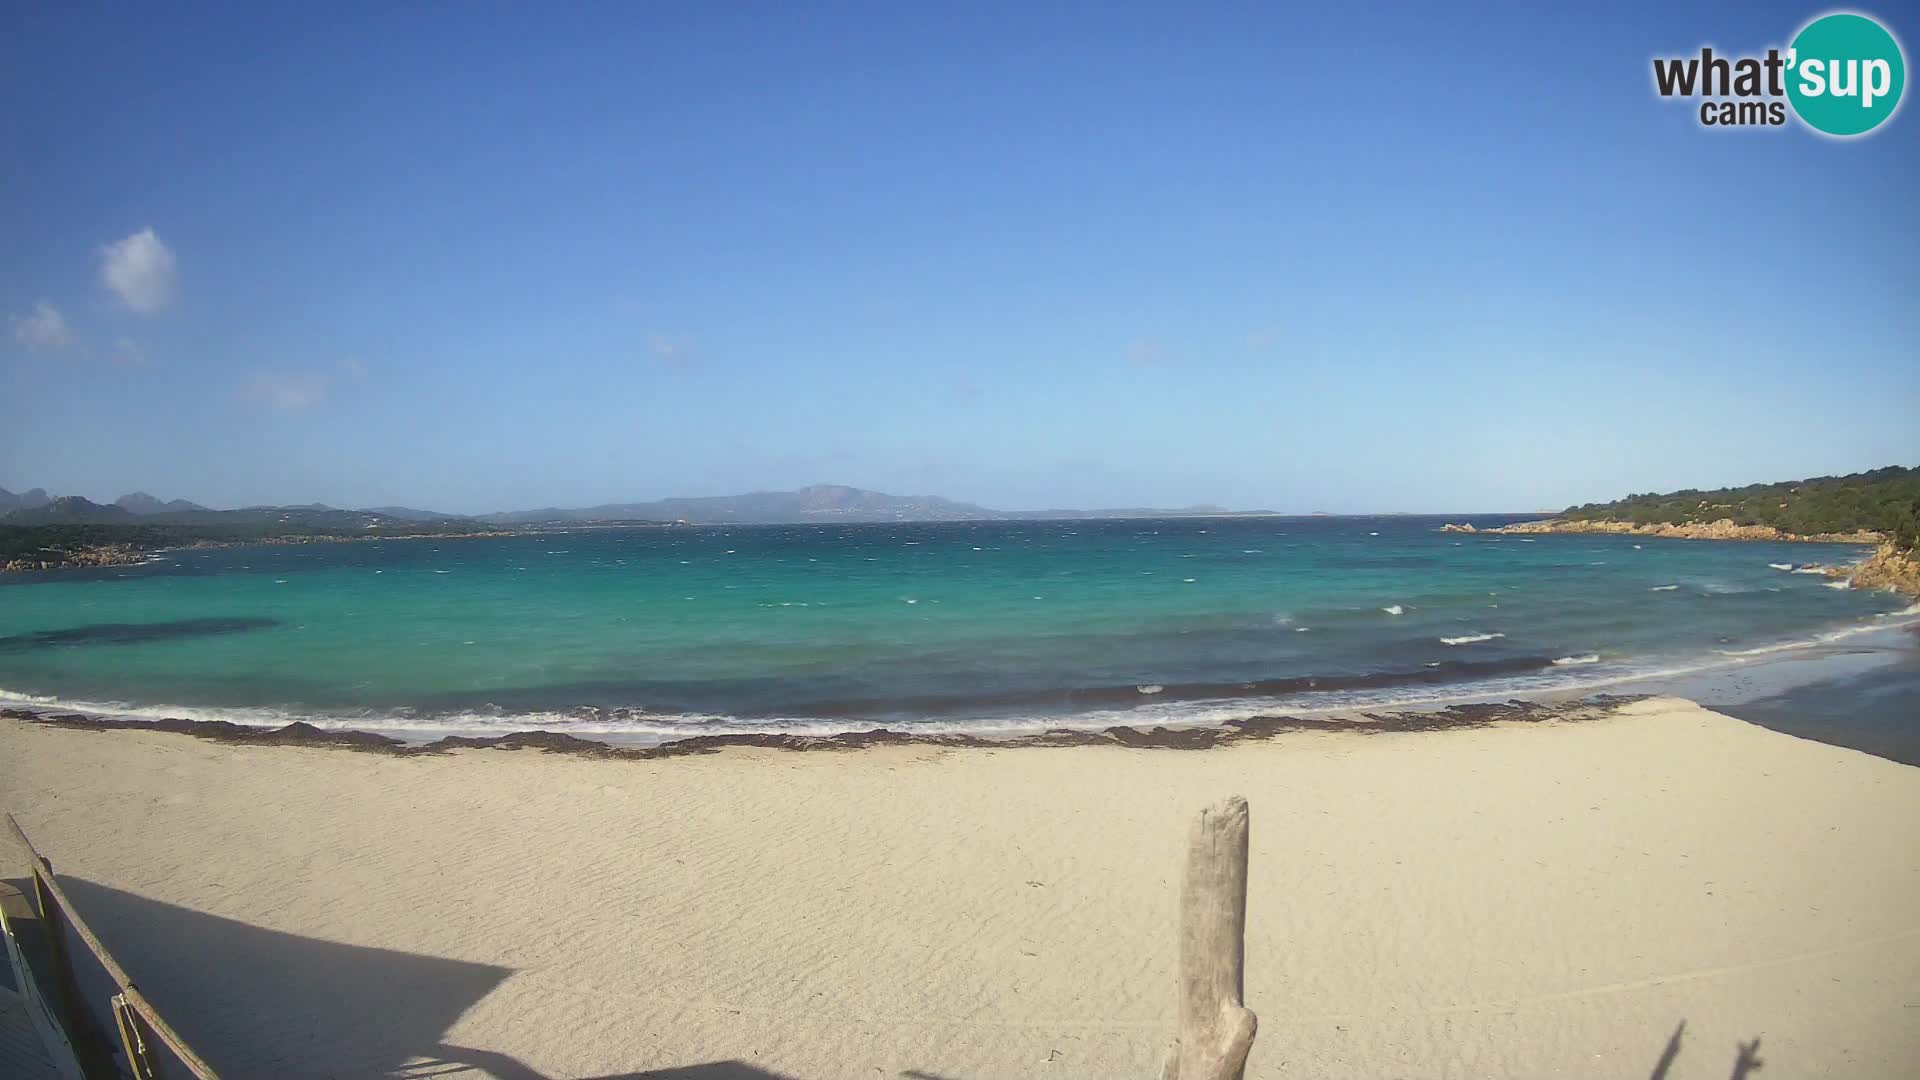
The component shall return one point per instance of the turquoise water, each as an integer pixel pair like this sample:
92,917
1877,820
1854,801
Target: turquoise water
650,633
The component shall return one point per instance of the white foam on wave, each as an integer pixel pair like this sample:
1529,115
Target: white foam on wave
1468,639
1847,584
1808,570
1394,609
1781,565
1828,637
642,728
1663,588
639,727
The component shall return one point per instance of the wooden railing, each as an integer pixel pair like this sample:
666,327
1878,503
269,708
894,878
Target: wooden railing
153,1049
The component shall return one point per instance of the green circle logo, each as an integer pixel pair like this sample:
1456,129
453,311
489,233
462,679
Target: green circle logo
1845,74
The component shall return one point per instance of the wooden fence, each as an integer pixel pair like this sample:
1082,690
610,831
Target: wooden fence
153,1050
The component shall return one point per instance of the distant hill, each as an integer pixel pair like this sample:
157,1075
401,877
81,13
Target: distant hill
820,502
26,500
139,502
315,517
408,513
69,510
1884,500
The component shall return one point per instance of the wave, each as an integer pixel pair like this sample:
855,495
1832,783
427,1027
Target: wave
1809,570
1847,584
1781,565
1468,639
1827,638
1663,588
1133,701
1394,609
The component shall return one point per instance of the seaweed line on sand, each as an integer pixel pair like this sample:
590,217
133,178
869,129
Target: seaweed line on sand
1250,729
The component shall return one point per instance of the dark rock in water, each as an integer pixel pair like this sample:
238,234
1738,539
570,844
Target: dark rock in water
301,733
518,740
1174,738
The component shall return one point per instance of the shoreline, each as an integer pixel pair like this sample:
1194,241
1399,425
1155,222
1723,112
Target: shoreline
1723,529
1887,567
106,555
1784,669
1160,737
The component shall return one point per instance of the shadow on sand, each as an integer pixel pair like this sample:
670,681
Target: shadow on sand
1746,1059
258,1002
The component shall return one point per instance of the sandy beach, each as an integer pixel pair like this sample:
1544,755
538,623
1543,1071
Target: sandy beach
1543,899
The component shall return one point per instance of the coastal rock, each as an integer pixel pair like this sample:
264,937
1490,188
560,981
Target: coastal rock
1450,527
1888,568
1723,529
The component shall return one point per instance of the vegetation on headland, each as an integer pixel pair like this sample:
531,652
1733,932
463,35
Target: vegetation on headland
1884,501
1880,507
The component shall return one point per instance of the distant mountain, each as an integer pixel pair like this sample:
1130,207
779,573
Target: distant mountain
821,502
68,510
26,500
408,513
139,502
314,517
818,503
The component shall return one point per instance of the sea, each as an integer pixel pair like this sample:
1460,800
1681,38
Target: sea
643,635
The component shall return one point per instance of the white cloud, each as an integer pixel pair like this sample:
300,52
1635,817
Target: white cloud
46,328
140,270
286,390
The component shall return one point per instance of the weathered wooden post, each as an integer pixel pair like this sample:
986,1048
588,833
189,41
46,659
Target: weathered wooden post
1216,1028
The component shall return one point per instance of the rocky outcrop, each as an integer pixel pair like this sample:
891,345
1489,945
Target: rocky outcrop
1724,529
1888,568
1450,527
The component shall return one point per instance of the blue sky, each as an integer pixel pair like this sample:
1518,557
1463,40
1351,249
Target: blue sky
491,257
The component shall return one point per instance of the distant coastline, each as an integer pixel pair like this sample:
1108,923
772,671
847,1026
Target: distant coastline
119,554
1723,529
1889,567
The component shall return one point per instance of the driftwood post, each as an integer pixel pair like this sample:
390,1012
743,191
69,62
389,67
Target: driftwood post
1216,1029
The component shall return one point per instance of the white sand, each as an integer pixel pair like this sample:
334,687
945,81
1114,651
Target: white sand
1537,900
